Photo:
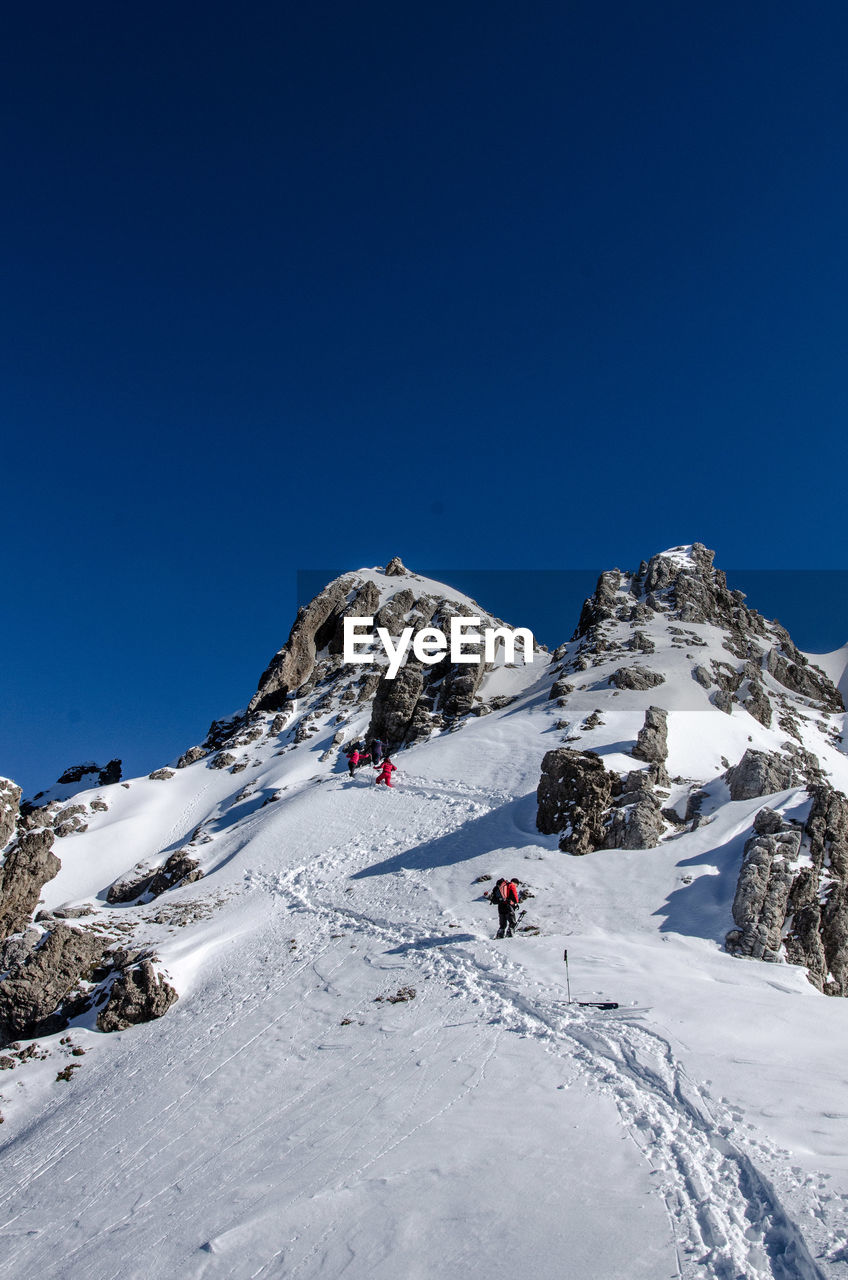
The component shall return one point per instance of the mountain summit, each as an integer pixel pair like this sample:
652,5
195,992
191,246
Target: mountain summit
256,1022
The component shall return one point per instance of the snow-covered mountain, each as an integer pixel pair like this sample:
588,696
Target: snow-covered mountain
319,1062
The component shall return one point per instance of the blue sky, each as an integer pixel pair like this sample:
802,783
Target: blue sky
298,285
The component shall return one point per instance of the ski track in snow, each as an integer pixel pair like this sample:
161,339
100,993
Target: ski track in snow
723,1213
726,1218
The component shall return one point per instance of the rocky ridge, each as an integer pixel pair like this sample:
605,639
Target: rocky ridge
680,629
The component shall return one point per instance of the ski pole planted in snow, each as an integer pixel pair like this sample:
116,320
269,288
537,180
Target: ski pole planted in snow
586,1004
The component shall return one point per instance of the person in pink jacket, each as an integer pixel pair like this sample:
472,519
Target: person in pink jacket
385,772
353,761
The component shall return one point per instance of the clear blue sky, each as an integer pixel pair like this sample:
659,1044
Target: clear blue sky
543,287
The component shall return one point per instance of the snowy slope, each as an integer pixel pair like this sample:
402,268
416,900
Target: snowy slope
282,1120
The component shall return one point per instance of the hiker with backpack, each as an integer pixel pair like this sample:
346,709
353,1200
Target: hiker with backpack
505,897
353,761
376,751
385,772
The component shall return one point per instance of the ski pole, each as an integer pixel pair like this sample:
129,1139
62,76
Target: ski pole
567,979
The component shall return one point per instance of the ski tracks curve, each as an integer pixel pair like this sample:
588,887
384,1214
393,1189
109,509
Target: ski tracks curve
726,1217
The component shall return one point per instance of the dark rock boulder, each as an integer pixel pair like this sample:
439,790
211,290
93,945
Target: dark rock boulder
27,867
395,568
573,796
723,701
222,761
138,994
636,678
180,868
10,799
35,990
652,740
161,775
190,757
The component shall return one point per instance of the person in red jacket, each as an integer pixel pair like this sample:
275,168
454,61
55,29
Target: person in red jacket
353,761
385,772
505,897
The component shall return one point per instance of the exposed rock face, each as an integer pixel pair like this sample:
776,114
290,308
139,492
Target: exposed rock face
818,936
10,799
292,666
395,567
190,757
222,761
363,605
636,678
768,872
71,820
34,991
760,773
161,775
179,868
28,865
138,994
637,824
573,796
797,902
795,672
106,774
394,705
15,949
652,740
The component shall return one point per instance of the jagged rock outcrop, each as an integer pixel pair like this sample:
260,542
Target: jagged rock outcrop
637,823
138,994
10,799
761,903
652,739
760,773
71,820
395,567
574,795
795,672
314,626
91,774
190,757
394,706
818,932
27,867
179,868
32,994
792,893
